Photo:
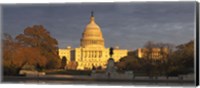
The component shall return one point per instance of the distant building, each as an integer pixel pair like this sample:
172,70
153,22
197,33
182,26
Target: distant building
92,52
153,53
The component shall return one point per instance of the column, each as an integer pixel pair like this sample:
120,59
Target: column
92,54
89,54
99,54
83,54
96,54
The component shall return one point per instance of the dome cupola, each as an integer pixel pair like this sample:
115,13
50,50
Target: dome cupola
92,35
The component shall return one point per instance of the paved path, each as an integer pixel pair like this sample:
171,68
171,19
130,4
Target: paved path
68,79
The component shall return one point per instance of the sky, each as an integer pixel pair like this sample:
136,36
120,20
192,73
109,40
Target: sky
127,25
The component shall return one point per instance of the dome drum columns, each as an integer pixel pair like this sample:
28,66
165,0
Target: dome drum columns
92,35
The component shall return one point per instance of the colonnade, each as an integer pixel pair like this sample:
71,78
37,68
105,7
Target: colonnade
92,54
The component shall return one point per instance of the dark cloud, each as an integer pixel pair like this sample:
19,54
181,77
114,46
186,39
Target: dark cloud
128,25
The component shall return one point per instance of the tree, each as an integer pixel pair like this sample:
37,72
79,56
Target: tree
29,55
15,56
72,65
63,62
156,57
8,48
182,60
186,53
148,49
121,65
129,62
38,37
164,50
33,47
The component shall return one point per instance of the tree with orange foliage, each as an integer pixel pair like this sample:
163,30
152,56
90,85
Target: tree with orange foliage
8,46
38,37
29,55
34,47
15,56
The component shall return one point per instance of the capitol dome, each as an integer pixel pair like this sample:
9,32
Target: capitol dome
92,35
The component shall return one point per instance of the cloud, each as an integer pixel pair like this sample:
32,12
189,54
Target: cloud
128,25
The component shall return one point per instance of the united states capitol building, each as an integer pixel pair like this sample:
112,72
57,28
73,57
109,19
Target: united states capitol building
92,51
